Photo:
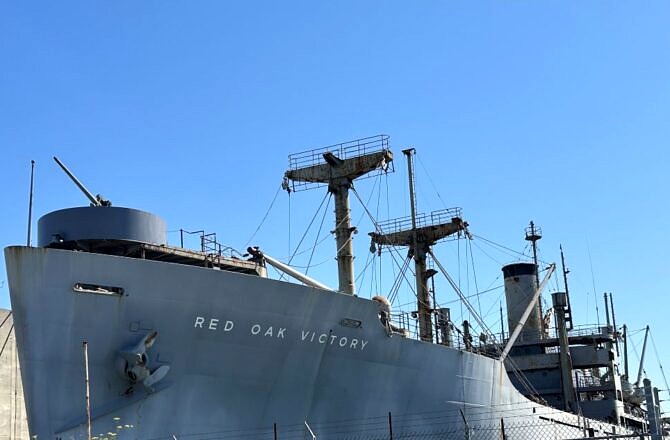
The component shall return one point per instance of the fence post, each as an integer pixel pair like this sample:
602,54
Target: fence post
390,427
502,429
274,426
465,425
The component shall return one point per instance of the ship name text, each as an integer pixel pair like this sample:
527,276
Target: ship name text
277,332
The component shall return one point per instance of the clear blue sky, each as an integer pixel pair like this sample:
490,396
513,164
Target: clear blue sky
553,111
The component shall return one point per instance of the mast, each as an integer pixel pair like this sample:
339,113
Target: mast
652,411
560,304
409,153
424,305
616,330
338,166
644,350
502,324
568,315
533,234
30,201
343,231
424,231
625,350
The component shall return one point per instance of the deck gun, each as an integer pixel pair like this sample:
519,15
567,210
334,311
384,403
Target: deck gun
96,200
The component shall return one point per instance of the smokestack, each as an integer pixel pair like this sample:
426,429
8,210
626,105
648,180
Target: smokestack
520,285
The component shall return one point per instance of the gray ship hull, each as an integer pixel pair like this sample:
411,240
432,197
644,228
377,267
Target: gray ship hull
244,352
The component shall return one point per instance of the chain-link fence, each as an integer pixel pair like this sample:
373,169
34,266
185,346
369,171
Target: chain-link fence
537,430
385,429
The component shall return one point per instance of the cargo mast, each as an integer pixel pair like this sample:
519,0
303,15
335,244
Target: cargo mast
338,166
424,232
533,234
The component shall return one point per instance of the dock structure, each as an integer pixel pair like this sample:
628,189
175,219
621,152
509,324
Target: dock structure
338,166
13,421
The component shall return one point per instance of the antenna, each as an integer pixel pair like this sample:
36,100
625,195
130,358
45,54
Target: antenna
30,201
95,201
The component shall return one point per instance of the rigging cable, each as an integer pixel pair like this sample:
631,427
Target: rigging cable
430,179
323,261
522,379
593,282
653,344
517,372
6,318
367,261
395,288
464,300
264,217
474,295
362,272
487,254
311,222
6,339
514,253
493,304
317,234
379,230
632,344
474,276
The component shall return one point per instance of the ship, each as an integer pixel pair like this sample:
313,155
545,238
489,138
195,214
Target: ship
121,335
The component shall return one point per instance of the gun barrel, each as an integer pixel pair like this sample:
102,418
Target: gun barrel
87,193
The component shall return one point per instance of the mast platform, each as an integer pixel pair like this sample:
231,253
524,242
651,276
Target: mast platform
338,166
347,160
430,228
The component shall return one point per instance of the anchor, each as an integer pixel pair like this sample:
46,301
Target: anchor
132,364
